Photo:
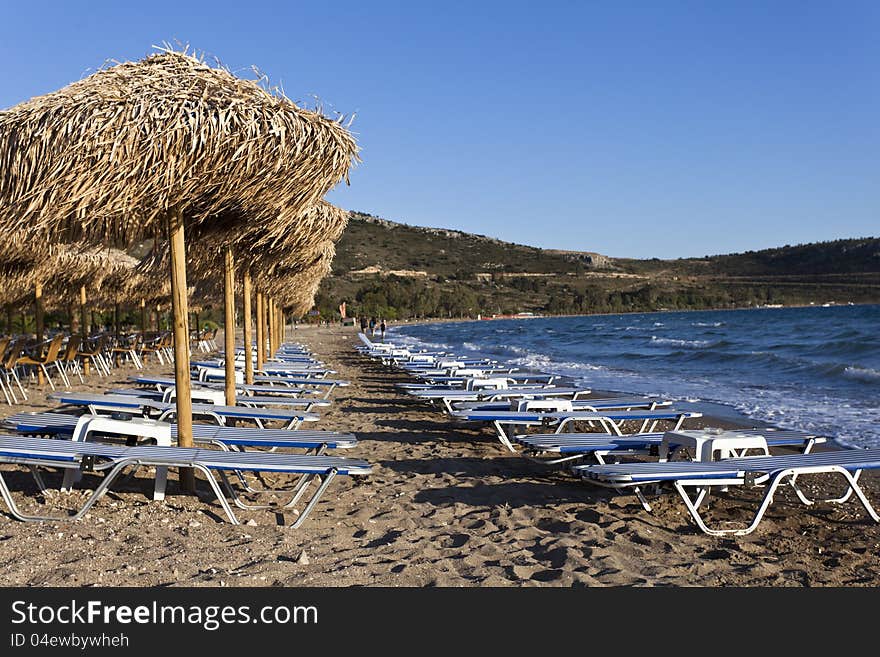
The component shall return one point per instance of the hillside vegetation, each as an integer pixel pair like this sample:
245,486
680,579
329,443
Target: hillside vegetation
393,270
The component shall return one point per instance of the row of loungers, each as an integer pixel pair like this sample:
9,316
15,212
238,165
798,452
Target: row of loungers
613,430
73,438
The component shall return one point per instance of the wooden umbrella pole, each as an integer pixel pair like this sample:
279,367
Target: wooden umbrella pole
143,315
280,326
269,328
246,321
38,310
277,333
229,325
84,320
277,344
261,334
180,307
116,319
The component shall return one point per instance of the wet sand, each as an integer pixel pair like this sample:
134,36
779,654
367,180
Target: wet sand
446,505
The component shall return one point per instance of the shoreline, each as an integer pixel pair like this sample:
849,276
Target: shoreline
462,320
721,408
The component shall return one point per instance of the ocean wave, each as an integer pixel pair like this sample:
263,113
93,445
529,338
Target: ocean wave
794,369
680,343
862,373
538,361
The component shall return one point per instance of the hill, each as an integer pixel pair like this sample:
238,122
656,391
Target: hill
395,270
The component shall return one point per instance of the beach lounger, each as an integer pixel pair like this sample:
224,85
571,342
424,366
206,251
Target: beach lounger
451,398
460,381
37,453
609,421
81,428
76,427
574,404
768,471
164,410
160,384
575,446
265,385
216,396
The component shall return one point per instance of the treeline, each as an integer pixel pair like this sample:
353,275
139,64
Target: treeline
401,298
404,298
567,301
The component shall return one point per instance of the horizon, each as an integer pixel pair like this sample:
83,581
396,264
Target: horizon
635,131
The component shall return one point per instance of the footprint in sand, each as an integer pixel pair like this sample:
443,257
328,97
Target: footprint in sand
454,540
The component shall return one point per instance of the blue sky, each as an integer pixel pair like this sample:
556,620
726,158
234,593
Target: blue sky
639,129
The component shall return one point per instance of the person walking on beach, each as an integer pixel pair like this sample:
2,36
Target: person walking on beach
382,328
363,325
372,326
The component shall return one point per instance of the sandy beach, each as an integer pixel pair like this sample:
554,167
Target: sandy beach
445,506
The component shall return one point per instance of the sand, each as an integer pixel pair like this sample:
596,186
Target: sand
445,506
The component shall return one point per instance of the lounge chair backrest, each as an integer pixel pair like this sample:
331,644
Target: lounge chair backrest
54,348
72,347
12,355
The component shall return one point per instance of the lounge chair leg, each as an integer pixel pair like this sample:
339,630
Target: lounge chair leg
38,478
502,436
693,508
48,378
94,497
212,481
312,502
18,382
644,501
161,483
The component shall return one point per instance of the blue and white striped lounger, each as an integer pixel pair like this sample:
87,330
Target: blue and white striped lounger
488,395
575,446
609,421
769,471
584,404
161,384
458,382
268,385
217,412
38,453
240,400
64,425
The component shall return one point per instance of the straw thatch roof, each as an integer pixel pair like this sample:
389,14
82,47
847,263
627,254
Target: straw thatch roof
106,157
296,289
307,245
62,269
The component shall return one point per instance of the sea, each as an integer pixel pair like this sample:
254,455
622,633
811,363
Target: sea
813,368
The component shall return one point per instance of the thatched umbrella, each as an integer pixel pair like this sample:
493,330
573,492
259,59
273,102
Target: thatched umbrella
59,272
272,258
284,254
146,148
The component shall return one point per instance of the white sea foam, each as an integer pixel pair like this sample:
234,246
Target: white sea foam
679,343
862,373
